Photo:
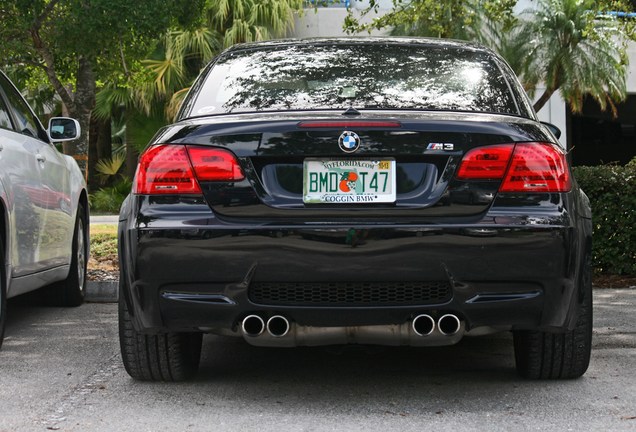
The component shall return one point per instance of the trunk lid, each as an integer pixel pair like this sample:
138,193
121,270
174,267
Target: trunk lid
427,148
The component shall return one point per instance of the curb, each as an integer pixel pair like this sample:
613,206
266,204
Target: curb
102,292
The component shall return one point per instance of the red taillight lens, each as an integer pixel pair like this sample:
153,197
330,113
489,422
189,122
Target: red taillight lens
214,164
485,163
537,167
525,167
167,169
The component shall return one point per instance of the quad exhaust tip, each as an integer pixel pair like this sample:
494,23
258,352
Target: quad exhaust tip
278,326
423,325
448,324
253,325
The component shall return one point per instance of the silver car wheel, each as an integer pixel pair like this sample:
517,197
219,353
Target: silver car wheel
81,255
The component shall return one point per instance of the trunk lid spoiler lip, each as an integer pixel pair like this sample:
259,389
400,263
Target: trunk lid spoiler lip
193,131
371,114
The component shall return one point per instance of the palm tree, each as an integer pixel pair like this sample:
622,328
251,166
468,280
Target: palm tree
576,52
145,92
180,54
252,20
154,90
563,44
510,39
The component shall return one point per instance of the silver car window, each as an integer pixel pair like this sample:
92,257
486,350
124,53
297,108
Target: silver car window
27,122
5,119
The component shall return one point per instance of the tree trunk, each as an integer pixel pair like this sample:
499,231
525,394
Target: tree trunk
104,140
92,154
99,147
131,151
545,97
105,146
83,105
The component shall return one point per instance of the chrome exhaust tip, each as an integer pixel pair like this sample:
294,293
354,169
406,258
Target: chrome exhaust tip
253,325
448,324
423,325
278,326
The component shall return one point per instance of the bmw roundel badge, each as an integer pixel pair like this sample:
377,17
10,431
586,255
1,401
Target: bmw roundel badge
349,142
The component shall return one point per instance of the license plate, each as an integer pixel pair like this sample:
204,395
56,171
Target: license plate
348,181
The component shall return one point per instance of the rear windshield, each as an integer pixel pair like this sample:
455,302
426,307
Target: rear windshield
372,76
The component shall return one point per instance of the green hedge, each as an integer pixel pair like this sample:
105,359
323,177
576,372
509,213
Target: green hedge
612,192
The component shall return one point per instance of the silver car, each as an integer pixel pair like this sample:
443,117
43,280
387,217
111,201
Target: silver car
43,206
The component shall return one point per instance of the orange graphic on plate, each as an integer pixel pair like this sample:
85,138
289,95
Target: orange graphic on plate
348,181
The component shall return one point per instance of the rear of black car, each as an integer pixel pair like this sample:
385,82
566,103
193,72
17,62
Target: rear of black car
371,191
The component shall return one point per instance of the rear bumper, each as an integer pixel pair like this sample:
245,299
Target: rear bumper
198,274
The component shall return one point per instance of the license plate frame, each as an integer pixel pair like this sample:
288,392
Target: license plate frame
349,181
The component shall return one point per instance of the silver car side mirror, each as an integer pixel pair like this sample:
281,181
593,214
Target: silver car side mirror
63,129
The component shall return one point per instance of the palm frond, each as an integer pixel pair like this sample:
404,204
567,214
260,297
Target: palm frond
579,55
112,165
110,98
175,103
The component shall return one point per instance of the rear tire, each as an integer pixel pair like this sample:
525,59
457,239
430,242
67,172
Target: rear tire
543,355
161,357
70,292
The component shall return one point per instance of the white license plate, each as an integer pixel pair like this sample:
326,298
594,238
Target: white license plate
348,181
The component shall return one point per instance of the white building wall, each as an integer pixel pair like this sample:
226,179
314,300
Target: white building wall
631,77
328,22
320,23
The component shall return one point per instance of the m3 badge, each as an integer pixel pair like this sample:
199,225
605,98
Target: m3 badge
441,146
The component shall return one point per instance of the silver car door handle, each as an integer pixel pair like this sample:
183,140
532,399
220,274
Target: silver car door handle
40,158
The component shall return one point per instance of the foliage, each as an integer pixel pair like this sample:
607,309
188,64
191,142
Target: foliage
110,199
576,52
251,20
612,193
164,77
40,95
568,46
103,245
152,91
112,165
174,62
76,43
448,19
103,241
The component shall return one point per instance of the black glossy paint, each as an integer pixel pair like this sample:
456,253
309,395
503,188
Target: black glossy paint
510,260
513,267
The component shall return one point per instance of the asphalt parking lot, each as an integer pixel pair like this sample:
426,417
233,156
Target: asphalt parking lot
60,370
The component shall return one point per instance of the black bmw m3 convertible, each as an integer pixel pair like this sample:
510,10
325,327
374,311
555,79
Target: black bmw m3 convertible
386,191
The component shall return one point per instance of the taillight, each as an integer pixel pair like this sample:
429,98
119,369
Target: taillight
537,168
485,163
174,169
165,169
214,164
524,167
